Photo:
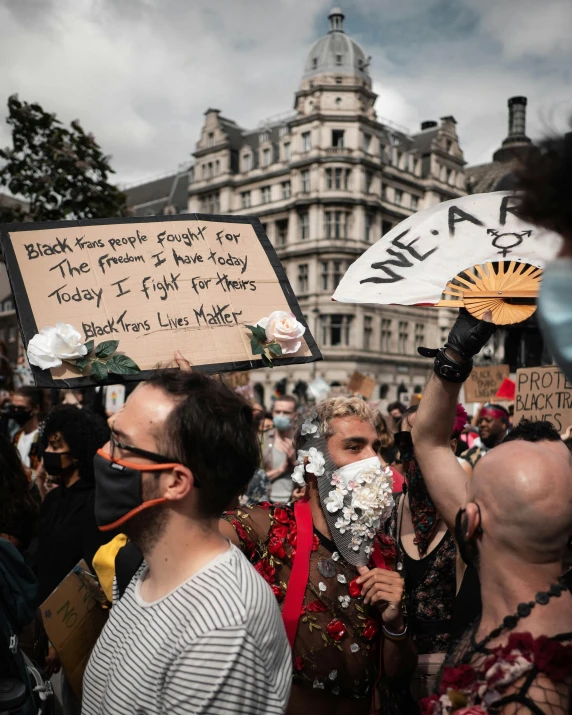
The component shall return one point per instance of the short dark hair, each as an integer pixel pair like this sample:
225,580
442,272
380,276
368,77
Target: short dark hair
83,431
544,179
397,406
533,431
212,431
287,398
34,394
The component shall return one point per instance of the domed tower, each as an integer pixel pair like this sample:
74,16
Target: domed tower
336,77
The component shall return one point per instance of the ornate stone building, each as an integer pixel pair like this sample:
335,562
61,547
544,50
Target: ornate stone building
327,180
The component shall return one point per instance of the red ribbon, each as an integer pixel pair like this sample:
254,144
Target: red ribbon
300,569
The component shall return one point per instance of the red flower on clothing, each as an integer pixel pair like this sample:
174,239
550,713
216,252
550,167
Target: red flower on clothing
370,629
278,592
553,658
336,630
240,530
292,537
279,531
460,678
471,710
276,548
281,515
428,705
299,663
264,504
316,607
355,588
315,543
267,571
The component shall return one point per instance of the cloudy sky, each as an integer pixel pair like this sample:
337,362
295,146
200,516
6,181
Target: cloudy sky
140,73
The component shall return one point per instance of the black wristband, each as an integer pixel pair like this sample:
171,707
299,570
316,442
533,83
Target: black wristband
449,370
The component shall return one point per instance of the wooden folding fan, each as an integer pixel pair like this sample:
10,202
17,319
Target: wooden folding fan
508,291
471,252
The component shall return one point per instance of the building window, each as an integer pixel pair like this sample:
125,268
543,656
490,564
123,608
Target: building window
338,59
263,137
282,232
336,224
210,139
398,159
8,305
449,146
303,277
450,176
314,63
305,180
304,225
306,141
388,154
325,275
386,227
366,143
338,138
266,157
283,130
403,336
210,203
336,329
419,334
338,80
217,167
286,151
384,192
385,335
368,227
265,195
415,203
398,197
247,162
11,334
368,181
338,273
367,331
246,199
286,190
204,171
338,178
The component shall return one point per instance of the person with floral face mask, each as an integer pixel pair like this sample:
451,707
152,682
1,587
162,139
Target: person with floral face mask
329,564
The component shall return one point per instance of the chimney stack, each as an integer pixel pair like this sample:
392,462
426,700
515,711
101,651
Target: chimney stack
516,143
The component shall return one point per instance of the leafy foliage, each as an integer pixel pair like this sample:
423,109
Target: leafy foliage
62,173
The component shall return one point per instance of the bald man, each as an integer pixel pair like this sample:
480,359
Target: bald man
512,521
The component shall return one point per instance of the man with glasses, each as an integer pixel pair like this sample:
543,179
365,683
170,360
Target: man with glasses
197,629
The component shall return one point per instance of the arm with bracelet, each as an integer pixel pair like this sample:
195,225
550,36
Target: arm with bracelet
445,478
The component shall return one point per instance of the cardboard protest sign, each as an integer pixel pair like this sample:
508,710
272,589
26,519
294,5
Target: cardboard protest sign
73,617
484,382
362,384
414,262
156,284
543,393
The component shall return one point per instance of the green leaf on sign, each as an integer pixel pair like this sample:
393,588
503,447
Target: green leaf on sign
106,348
266,361
99,371
257,332
256,347
81,363
89,345
122,365
275,349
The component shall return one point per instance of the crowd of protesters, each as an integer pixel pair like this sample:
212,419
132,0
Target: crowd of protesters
344,556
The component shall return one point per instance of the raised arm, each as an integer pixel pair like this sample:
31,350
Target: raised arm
445,478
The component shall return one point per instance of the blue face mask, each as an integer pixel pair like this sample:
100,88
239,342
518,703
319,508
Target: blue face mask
282,422
555,311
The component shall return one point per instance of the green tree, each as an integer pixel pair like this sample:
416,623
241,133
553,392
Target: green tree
61,173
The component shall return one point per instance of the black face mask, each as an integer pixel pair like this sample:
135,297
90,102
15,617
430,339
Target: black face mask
20,415
53,464
467,547
118,490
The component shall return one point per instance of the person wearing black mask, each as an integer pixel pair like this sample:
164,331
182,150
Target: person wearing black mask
25,410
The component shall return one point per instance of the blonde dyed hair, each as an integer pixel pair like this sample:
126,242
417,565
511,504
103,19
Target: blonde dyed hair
336,407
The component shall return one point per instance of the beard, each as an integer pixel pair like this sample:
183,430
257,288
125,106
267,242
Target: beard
146,528
467,547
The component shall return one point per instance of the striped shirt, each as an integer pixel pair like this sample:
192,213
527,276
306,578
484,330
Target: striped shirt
216,644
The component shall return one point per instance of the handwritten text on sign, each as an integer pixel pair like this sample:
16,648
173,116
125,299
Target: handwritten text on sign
543,393
483,382
154,286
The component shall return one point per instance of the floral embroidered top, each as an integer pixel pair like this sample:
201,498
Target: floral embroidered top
337,643
526,675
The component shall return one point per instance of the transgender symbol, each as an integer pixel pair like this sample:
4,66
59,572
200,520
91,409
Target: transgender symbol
505,245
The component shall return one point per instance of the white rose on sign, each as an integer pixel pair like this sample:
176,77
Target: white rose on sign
52,345
283,328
